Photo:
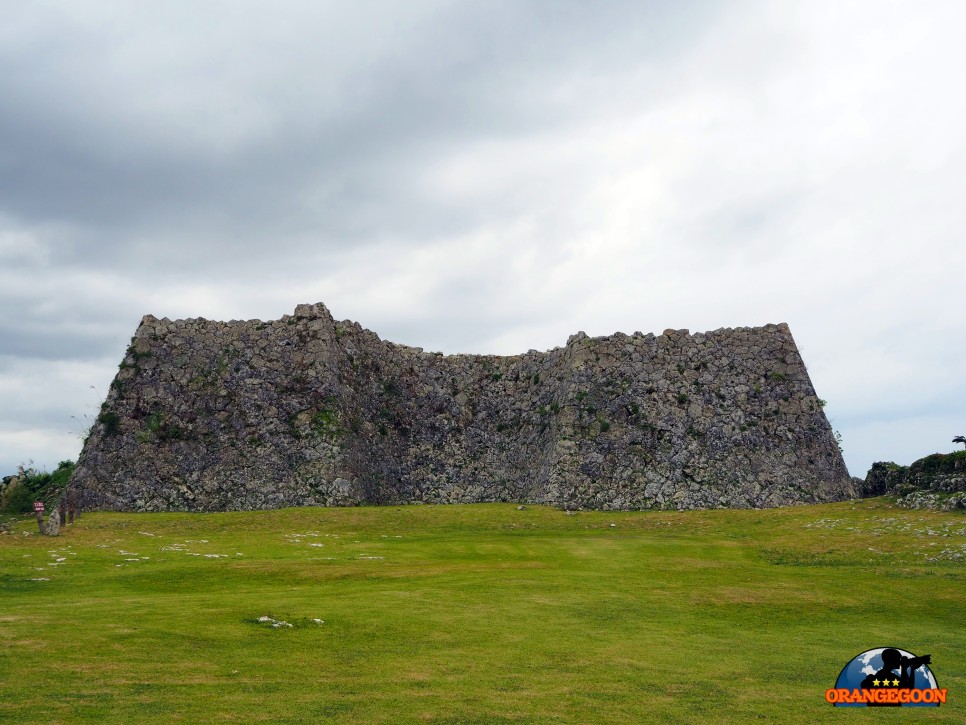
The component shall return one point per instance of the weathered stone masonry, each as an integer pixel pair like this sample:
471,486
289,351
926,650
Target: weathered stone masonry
305,410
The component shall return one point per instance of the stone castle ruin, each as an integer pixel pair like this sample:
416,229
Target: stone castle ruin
307,411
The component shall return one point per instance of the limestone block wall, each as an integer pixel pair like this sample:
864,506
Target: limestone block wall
305,410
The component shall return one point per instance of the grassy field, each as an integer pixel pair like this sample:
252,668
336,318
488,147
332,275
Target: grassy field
474,614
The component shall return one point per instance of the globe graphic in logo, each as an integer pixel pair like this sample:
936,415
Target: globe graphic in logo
871,662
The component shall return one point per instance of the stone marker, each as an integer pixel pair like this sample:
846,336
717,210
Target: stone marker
52,527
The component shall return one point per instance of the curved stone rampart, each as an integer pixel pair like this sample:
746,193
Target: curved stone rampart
305,410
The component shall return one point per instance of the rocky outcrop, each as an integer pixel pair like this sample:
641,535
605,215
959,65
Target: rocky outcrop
937,481
932,500
883,478
309,411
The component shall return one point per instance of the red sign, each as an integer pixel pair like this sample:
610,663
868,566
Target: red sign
38,506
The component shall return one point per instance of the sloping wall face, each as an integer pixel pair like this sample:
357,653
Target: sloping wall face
305,410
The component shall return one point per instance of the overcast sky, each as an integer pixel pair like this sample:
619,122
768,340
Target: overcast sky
489,177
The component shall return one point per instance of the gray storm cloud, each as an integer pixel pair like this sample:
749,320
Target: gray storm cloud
487,178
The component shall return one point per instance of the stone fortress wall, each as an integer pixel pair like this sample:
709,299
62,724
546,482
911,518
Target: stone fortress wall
207,416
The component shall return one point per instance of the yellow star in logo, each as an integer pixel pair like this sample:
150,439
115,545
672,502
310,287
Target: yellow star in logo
895,683
876,683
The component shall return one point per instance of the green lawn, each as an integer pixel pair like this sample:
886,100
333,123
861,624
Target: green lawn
475,614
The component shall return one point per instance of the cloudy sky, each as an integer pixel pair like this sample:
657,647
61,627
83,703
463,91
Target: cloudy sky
489,177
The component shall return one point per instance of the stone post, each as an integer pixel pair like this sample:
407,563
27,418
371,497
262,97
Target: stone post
53,524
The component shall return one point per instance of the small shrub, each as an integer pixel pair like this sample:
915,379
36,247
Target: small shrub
154,422
156,426
19,500
63,473
111,423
